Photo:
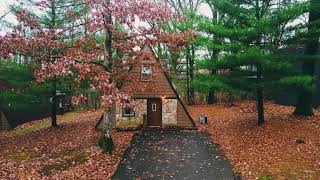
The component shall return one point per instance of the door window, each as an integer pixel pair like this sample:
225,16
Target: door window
154,107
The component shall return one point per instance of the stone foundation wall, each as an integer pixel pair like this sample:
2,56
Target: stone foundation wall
169,112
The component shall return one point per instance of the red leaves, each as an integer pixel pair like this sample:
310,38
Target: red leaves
270,150
68,152
26,19
86,57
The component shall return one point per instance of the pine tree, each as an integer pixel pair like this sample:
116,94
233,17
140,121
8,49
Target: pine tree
304,102
18,92
246,40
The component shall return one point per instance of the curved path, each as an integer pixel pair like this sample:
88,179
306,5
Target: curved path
173,155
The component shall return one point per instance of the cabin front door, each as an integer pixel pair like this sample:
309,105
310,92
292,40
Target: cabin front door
154,115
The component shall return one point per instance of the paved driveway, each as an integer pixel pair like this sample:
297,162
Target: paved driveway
173,155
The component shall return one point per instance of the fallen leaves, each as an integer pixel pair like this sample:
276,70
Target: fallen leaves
34,150
271,150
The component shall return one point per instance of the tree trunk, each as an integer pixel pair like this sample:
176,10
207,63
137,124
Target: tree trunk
259,13
211,94
108,48
108,37
260,96
191,71
190,74
54,104
211,97
108,122
54,82
304,101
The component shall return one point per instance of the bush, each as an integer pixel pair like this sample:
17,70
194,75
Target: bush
106,144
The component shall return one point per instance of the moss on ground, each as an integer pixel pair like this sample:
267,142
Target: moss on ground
16,155
131,125
37,126
33,128
71,159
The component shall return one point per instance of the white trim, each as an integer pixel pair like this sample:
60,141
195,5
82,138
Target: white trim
154,107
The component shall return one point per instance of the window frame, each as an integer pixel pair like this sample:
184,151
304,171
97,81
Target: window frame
149,78
128,115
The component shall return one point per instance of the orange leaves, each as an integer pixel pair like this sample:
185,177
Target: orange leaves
87,57
34,150
270,150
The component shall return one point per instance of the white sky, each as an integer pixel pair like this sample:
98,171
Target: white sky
4,4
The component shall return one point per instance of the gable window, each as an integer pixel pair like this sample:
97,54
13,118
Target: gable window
128,112
146,73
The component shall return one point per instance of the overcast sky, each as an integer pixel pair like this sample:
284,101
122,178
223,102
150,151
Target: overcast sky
4,4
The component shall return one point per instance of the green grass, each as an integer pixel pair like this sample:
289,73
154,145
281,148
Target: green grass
37,127
68,117
16,155
129,125
265,178
74,158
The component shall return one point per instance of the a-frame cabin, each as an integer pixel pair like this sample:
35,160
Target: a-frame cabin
160,106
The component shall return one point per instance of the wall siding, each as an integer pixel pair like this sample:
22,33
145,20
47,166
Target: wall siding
169,112
140,110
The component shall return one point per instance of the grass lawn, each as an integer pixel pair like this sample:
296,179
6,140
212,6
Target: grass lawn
34,150
275,150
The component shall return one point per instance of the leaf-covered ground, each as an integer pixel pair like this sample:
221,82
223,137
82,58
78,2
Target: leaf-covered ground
34,150
275,150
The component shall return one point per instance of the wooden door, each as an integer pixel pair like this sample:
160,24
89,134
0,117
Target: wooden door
154,112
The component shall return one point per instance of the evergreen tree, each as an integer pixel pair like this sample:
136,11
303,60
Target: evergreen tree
304,102
18,92
247,38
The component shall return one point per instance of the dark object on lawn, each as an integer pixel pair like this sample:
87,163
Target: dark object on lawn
237,176
4,123
203,119
300,141
106,144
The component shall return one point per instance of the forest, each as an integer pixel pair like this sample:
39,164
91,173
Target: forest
96,88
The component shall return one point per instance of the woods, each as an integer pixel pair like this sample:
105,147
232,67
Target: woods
143,64
240,46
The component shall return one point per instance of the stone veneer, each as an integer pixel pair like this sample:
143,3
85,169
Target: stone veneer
140,109
169,112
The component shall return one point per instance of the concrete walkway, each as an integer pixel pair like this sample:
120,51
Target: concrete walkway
173,155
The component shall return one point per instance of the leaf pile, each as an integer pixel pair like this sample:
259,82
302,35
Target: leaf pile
34,150
286,147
